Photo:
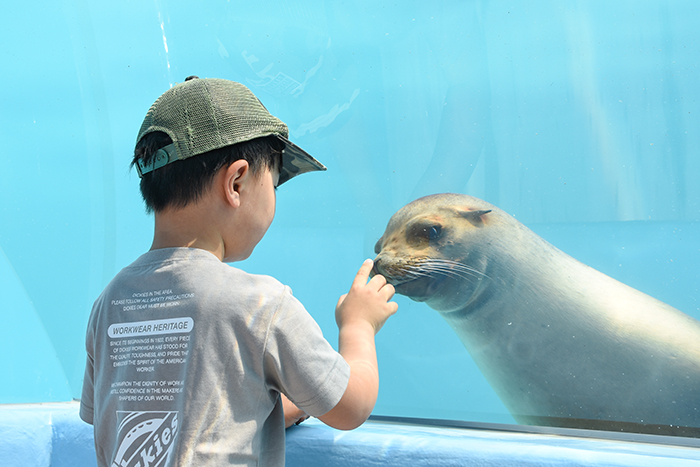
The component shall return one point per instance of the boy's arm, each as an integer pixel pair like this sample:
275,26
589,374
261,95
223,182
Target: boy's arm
360,314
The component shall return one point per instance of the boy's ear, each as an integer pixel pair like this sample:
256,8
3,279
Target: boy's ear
233,178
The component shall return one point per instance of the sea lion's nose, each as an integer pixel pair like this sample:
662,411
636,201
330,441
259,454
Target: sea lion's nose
378,246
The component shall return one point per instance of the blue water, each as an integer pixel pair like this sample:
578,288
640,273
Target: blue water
581,119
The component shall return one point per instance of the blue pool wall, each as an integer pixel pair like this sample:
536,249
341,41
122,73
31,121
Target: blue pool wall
581,119
52,435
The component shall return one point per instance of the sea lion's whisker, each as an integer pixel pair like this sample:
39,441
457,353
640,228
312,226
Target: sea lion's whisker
415,272
448,267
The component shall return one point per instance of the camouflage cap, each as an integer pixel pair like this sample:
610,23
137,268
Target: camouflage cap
201,115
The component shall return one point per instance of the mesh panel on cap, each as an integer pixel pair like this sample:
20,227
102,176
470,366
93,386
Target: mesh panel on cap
205,114
201,115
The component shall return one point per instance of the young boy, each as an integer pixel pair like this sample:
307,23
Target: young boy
190,360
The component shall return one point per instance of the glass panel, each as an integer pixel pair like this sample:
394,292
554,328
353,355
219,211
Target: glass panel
579,119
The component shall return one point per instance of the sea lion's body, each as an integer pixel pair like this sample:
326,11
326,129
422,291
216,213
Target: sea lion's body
560,343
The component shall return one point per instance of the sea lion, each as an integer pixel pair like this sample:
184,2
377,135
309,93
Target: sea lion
561,343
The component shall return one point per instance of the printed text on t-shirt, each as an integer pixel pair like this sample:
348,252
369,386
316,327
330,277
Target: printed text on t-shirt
151,299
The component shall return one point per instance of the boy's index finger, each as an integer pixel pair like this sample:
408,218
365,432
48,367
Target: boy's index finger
363,274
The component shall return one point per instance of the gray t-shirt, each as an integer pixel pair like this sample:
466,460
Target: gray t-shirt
186,360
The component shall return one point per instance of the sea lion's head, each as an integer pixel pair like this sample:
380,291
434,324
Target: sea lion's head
433,250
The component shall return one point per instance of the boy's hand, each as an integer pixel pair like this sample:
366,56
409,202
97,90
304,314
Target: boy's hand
366,301
293,415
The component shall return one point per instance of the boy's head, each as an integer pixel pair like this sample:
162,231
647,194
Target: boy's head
202,125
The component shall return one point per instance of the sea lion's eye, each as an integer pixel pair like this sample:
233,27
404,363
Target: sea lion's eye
422,234
434,232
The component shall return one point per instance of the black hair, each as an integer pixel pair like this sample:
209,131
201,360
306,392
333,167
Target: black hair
182,182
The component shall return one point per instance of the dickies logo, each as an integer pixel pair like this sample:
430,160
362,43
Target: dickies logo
144,439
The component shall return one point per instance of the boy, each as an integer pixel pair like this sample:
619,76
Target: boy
190,360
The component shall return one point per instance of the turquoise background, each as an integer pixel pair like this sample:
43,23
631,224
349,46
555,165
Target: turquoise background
581,119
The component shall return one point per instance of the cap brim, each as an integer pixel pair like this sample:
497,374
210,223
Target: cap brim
296,161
